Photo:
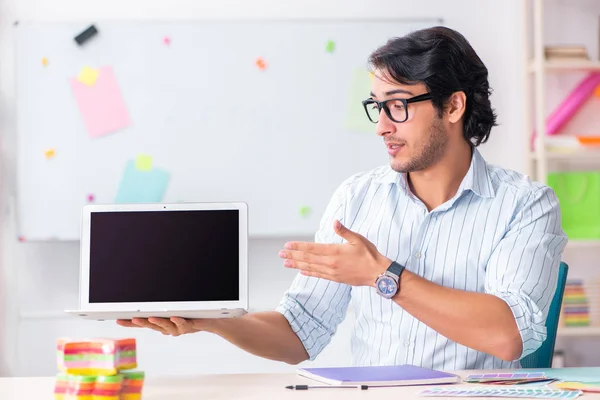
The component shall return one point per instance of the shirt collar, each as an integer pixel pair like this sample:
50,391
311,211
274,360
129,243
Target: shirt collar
477,178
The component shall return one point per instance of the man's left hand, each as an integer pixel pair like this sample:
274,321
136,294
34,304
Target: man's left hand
356,263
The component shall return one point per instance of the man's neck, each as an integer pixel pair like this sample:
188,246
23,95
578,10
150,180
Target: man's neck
439,183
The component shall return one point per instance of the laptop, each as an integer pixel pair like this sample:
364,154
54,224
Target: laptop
186,260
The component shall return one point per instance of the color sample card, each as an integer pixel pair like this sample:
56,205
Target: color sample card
512,393
505,376
101,105
138,186
360,89
509,378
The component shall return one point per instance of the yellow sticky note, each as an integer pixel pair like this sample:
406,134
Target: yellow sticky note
88,76
44,61
597,91
49,153
143,162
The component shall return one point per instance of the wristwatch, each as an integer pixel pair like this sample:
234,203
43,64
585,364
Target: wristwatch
388,283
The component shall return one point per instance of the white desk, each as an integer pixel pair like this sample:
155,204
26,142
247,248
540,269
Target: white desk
221,387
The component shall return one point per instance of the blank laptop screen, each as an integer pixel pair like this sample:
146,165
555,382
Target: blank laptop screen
164,256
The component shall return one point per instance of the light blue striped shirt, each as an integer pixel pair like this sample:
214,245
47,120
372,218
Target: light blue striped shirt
500,234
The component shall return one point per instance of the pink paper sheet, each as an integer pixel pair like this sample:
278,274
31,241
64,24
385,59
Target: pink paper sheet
102,106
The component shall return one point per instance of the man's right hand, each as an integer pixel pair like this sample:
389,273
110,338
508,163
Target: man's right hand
265,334
173,326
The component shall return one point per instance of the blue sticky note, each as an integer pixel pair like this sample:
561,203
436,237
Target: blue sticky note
140,186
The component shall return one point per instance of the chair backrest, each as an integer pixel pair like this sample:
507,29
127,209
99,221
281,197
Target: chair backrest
542,357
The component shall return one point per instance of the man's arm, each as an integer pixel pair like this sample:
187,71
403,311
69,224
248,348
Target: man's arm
507,321
300,327
477,320
265,334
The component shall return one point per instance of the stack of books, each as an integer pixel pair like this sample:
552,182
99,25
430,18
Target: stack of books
575,304
566,53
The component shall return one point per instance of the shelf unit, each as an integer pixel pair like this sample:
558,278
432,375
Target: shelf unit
537,68
543,158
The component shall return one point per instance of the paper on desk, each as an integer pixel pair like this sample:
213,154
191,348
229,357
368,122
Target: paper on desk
502,392
360,88
142,186
582,374
102,105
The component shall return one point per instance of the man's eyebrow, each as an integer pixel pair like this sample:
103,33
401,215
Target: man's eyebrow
395,91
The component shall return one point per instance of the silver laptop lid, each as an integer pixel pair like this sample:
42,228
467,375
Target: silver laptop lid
147,257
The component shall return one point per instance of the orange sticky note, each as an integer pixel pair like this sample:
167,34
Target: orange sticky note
261,64
49,153
597,91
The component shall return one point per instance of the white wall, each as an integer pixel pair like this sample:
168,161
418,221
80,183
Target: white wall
38,281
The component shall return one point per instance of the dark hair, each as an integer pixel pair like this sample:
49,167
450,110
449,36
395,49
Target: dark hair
445,62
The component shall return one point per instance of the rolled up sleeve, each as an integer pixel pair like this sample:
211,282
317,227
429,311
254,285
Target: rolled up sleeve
523,269
315,307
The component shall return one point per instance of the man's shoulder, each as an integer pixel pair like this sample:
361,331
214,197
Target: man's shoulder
517,183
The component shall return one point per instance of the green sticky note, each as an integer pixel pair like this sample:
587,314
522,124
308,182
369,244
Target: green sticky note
360,88
305,211
143,162
330,46
142,186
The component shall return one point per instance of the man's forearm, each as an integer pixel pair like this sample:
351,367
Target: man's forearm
265,334
477,320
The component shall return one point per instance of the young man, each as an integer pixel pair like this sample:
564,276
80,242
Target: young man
450,263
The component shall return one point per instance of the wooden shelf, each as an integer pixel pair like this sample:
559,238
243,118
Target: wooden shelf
583,244
575,155
575,65
565,331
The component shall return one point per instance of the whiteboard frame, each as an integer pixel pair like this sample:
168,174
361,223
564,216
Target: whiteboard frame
84,277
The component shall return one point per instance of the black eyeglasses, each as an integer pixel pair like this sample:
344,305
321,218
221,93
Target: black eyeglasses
396,109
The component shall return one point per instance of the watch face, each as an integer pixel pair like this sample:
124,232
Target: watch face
386,286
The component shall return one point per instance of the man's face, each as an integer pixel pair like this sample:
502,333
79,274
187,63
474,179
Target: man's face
421,140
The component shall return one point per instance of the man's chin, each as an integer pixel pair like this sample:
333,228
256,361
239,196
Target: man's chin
401,166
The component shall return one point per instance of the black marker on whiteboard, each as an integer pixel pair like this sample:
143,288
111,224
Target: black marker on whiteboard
86,35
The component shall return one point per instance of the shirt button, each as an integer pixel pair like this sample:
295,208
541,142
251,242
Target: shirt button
418,254
407,343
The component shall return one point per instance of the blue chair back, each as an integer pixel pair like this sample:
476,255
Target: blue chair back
542,357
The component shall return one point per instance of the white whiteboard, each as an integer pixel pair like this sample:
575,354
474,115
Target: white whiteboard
222,129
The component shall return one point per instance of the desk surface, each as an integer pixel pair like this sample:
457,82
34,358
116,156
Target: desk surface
246,386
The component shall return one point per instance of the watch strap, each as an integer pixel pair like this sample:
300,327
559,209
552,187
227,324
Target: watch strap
395,269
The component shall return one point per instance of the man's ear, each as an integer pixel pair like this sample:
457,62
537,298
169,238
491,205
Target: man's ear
456,106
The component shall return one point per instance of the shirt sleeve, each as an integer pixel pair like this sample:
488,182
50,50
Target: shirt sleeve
315,307
523,269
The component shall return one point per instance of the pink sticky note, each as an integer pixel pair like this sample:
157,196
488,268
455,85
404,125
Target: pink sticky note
167,40
102,106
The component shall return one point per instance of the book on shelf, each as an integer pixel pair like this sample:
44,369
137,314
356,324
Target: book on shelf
566,53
